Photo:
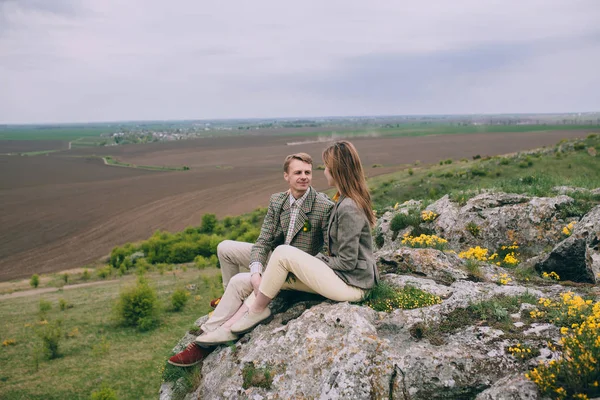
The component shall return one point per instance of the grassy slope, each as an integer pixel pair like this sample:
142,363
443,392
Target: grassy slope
53,133
510,174
133,364
425,129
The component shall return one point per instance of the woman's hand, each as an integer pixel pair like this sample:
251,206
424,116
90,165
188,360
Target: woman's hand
255,279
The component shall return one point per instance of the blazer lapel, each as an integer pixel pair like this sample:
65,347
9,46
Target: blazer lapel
332,218
305,209
285,214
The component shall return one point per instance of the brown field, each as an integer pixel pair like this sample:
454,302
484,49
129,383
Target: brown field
23,146
60,211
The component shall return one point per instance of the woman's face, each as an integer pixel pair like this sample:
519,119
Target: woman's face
330,180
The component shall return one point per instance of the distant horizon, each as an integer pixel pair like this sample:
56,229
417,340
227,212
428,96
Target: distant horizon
309,117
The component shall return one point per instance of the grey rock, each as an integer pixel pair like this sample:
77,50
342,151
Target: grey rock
513,387
577,258
431,263
501,219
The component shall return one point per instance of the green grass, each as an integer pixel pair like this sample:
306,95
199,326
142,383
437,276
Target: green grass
111,161
72,132
52,132
494,312
385,297
425,129
91,141
100,352
38,153
464,180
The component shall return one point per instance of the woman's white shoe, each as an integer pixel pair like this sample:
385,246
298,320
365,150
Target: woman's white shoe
249,321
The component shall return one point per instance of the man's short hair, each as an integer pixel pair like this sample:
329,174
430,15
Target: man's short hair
298,156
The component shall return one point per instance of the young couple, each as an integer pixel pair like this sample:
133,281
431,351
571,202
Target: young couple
326,246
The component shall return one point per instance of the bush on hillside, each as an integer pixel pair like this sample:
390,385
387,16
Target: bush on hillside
185,246
51,334
138,306
105,393
401,220
35,280
178,299
209,222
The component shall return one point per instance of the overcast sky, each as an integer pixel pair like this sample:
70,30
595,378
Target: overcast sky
108,60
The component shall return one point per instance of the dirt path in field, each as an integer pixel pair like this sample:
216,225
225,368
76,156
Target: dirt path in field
33,292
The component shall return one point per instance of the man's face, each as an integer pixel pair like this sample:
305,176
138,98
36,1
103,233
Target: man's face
299,177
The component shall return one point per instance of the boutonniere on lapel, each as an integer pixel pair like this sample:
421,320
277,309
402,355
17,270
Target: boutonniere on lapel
307,226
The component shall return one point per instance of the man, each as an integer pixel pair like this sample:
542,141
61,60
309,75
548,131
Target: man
297,217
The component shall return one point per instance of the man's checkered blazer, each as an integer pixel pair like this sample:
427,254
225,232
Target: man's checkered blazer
315,210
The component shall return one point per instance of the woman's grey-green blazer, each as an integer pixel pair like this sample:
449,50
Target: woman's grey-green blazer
350,245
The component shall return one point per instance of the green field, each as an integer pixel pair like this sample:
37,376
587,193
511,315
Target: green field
534,173
112,161
425,129
53,133
85,135
94,351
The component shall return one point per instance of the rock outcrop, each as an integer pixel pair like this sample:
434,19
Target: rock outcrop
490,220
316,348
577,258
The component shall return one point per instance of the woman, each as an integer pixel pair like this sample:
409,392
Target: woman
348,271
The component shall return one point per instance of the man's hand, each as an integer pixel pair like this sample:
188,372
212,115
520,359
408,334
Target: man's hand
255,279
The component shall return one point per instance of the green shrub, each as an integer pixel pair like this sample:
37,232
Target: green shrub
579,146
35,280
379,239
104,272
64,305
411,172
138,306
575,373
142,265
473,229
65,278
201,262
256,377
376,166
117,256
448,161
45,306
51,334
178,299
504,161
478,172
86,275
476,157
183,252
250,236
209,221
402,221
578,208
385,297
105,393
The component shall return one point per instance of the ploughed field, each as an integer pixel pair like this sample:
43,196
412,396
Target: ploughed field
64,209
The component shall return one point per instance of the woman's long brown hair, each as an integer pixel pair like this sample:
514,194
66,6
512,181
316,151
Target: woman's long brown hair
343,163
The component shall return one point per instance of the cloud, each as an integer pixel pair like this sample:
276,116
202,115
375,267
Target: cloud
113,60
